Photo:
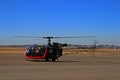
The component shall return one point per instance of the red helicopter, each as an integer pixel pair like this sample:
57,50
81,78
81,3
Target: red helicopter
49,52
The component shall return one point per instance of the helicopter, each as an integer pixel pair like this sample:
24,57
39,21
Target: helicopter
49,52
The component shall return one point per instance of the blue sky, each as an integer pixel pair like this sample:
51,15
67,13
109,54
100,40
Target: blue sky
100,18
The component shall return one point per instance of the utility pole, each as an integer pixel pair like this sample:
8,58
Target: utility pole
94,45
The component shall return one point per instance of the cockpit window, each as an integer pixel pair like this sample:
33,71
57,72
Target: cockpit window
35,50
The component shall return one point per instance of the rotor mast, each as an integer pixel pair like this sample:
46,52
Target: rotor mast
49,40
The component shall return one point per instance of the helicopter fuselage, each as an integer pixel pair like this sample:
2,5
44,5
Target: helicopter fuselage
47,52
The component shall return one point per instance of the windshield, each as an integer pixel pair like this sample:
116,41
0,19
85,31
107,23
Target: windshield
35,50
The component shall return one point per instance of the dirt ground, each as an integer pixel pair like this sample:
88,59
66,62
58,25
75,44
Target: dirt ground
70,67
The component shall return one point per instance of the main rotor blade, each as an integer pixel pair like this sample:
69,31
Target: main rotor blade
50,37
26,37
76,37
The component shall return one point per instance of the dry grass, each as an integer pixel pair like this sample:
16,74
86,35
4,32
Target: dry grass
12,50
66,51
96,52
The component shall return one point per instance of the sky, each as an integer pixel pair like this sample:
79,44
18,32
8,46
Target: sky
100,18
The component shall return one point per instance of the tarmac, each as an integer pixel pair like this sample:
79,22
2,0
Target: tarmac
69,67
